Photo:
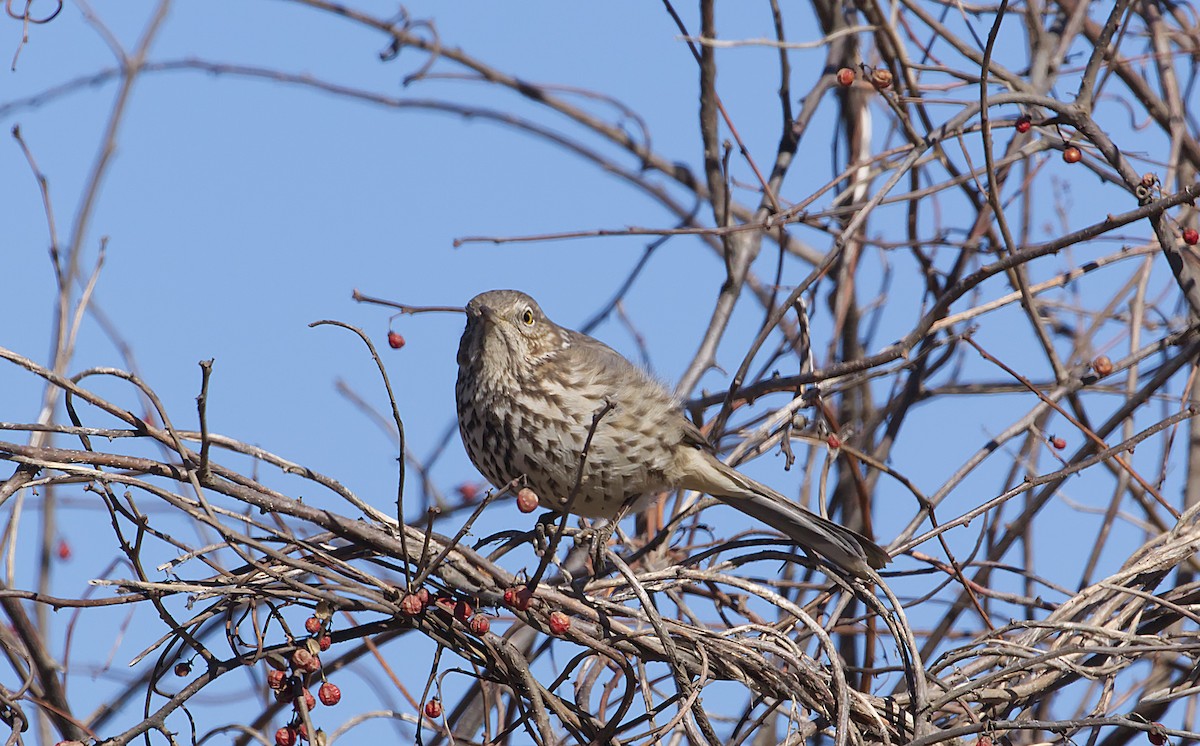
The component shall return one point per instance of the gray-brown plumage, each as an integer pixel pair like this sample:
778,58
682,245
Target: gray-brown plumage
527,393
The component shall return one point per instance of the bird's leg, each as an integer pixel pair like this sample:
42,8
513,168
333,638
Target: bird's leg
598,545
543,528
602,535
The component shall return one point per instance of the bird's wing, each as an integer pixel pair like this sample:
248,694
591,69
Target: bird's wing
694,437
849,549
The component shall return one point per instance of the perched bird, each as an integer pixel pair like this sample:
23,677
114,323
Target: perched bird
528,392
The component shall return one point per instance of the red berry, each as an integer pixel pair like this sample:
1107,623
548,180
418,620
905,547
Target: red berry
524,598
285,737
275,679
309,700
833,441
301,659
1023,124
395,341
1072,155
527,500
1191,237
324,642
1157,735
329,694
64,549
480,625
302,731
426,599
313,625
411,605
183,669
468,491
518,597
845,77
1057,442
445,603
433,708
463,611
559,622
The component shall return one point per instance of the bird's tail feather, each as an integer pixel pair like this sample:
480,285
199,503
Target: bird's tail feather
842,546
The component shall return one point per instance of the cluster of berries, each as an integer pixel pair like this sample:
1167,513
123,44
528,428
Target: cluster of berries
288,679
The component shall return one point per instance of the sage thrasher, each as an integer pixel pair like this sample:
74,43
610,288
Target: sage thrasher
528,394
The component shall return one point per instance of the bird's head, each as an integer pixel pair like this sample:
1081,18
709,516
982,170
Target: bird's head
510,329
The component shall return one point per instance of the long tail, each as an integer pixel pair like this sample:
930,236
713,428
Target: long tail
848,549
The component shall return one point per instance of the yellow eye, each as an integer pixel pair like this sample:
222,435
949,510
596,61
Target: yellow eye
527,317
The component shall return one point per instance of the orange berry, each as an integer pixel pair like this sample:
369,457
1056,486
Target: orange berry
559,622
480,625
395,341
329,694
527,500
518,597
845,77
468,491
309,700
433,708
1072,155
301,659
1102,366
183,669
411,605
881,78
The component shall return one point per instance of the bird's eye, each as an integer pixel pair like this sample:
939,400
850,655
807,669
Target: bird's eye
527,317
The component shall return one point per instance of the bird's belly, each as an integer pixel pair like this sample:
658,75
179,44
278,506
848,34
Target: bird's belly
542,448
